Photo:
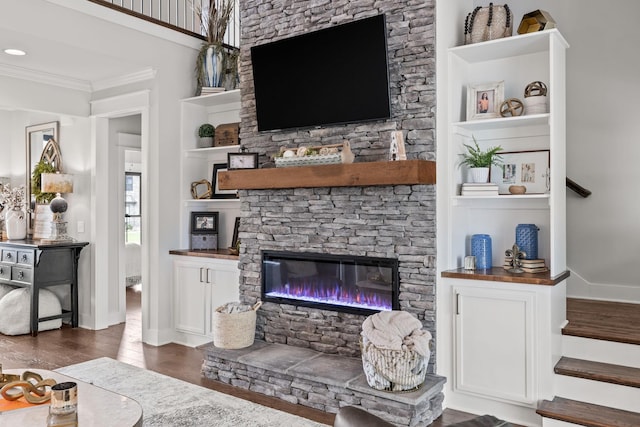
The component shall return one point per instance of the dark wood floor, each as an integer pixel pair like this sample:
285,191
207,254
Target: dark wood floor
67,346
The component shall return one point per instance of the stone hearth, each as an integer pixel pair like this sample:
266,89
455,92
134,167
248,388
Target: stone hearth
321,381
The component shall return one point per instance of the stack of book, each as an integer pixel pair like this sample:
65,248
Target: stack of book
207,90
479,189
528,265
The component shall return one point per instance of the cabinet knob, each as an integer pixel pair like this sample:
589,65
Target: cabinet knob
1,270
8,255
20,274
24,257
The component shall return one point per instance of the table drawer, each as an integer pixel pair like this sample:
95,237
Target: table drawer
9,255
25,257
5,272
20,274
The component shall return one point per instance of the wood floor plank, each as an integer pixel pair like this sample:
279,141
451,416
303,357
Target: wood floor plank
603,320
604,372
587,414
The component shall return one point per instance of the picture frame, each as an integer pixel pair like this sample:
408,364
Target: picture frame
242,160
204,222
527,168
236,228
483,100
217,193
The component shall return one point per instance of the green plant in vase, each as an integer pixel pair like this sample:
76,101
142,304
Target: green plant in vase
36,182
480,161
206,133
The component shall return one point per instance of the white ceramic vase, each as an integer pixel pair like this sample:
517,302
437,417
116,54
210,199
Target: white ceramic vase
16,224
479,174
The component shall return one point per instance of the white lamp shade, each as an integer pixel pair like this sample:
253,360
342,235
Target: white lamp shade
56,183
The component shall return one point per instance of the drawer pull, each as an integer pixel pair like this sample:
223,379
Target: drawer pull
20,274
1,270
8,255
24,257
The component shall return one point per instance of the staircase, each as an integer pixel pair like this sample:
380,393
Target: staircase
597,380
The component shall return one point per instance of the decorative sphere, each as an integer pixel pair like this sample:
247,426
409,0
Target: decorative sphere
288,153
58,205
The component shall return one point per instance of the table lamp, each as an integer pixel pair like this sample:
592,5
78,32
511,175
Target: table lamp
57,183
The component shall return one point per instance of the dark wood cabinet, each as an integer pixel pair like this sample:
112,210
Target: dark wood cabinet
37,265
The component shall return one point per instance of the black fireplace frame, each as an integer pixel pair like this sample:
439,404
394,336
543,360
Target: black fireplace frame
391,263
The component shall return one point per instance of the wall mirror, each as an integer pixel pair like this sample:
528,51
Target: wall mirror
40,139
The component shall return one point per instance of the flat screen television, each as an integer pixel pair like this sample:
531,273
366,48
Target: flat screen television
331,76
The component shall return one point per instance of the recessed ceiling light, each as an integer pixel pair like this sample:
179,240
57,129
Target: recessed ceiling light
16,52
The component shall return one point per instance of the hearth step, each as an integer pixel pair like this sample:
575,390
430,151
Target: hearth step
597,371
586,414
603,320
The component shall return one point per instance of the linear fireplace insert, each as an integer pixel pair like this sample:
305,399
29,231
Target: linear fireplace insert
361,285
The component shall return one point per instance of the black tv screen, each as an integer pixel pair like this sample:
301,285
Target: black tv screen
335,75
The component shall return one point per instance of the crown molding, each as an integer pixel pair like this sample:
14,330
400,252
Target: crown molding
135,77
44,78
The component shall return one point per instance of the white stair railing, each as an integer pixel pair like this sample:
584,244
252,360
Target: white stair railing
180,15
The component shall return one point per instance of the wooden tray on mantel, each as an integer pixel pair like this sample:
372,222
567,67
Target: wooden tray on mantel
402,172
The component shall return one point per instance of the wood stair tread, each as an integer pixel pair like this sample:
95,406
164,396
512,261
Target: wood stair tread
587,414
603,320
598,371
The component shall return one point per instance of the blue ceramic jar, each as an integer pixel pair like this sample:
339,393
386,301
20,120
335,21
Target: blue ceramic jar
527,240
481,249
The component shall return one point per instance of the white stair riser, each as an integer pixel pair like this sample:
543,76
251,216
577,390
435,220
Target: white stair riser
548,422
601,351
598,392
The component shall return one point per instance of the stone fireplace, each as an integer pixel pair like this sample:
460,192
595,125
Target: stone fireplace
392,221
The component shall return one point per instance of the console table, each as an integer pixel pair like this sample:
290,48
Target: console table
36,265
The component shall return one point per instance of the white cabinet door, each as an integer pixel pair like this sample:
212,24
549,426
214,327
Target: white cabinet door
191,302
495,343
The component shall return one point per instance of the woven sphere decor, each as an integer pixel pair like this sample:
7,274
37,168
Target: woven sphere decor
511,107
535,89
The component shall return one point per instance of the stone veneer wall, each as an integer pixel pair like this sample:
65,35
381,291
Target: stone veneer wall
388,221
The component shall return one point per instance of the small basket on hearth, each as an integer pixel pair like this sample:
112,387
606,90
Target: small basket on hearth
395,351
234,325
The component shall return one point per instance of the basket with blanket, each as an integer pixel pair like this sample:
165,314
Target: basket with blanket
395,351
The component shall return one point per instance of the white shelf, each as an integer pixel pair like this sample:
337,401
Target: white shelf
211,202
505,197
507,47
504,122
221,98
210,151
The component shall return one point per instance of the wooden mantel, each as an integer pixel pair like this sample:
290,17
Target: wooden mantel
405,172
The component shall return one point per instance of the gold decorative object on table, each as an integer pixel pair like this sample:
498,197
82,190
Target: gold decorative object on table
198,192
29,385
511,107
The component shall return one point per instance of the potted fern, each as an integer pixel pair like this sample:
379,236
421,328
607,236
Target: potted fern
480,161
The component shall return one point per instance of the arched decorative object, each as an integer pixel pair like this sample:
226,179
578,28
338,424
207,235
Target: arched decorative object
51,154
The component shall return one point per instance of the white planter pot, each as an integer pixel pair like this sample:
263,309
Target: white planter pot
535,105
16,224
205,142
479,174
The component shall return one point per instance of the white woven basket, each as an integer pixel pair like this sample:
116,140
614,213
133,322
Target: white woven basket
392,370
234,330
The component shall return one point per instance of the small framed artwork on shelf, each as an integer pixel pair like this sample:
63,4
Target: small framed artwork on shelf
234,240
484,100
528,169
242,160
204,222
217,193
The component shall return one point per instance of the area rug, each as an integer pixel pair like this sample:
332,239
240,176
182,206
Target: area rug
169,402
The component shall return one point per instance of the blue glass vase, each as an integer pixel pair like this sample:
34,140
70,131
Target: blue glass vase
527,240
481,249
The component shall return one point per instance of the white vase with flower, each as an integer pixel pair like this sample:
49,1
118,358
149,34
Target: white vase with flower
15,218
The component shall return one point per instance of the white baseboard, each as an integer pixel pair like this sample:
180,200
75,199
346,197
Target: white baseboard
579,287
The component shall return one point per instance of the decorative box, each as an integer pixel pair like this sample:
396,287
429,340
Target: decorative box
227,134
